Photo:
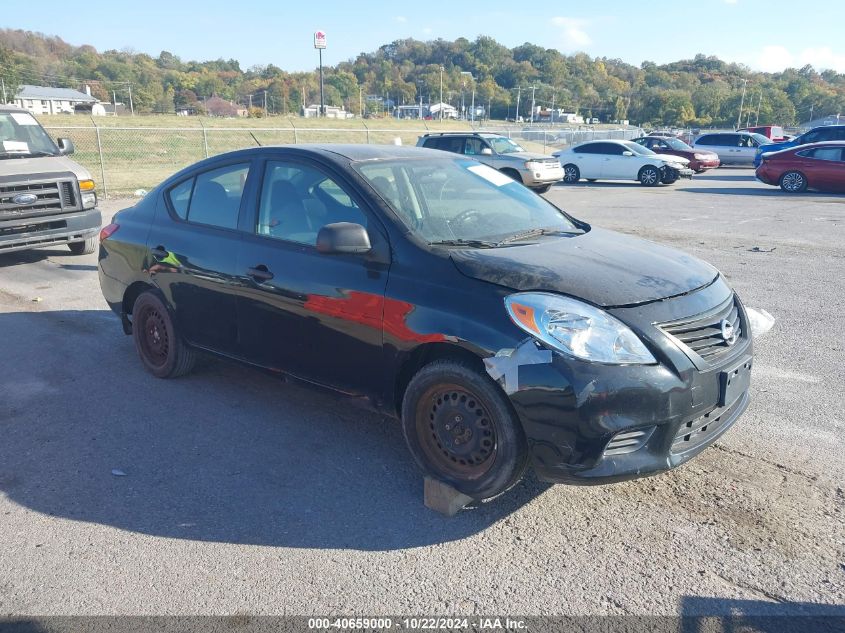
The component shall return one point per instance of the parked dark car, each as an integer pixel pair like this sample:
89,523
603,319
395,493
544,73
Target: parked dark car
499,329
816,135
815,166
699,161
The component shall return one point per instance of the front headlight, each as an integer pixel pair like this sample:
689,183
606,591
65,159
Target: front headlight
530,164
701,157
88,193
576,329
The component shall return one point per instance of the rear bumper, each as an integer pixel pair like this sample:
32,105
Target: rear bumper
45,231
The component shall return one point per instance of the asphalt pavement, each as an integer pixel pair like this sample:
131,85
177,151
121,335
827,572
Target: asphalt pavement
227,492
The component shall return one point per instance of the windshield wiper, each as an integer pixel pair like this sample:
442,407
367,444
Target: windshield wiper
463,242
536,233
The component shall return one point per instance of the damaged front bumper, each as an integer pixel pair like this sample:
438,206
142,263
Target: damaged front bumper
593,423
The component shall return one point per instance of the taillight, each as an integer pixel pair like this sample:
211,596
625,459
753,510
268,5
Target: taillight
107,231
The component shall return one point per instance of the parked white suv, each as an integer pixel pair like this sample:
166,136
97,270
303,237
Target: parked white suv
537,171
621,160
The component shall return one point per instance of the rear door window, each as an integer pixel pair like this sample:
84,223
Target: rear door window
827,153
212,197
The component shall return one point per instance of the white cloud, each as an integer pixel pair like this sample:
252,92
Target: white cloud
427,31
572,32
401,18
776,58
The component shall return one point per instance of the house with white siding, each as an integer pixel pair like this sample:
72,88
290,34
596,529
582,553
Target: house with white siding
48,100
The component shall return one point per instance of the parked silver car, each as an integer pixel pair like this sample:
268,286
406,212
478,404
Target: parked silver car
537,171
733,148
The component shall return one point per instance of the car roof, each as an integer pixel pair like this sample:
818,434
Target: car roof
481,134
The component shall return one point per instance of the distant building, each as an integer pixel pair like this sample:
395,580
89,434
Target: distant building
48,100
332,112
449,112
215,106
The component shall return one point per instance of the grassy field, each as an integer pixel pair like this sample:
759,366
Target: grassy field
125,154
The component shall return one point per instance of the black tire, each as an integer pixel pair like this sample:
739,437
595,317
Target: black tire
542,189
649,176
571,173
669,180
512,174
160,347
83,248
483,452
793,182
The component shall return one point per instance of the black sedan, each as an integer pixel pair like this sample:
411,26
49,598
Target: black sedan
500,330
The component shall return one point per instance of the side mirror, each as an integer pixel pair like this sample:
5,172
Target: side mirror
486,152
627,153
343,237
65,146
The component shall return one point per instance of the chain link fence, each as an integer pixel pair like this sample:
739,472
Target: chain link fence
127,159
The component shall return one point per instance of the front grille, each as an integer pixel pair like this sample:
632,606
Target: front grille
52,197
704,333
701,430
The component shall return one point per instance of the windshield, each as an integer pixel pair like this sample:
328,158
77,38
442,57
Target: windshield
459,200
762,140
676,143
637,148
503,145
21,135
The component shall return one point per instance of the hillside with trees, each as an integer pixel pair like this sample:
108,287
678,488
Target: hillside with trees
703,91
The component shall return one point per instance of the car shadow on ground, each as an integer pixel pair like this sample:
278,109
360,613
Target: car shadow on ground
711,175
730,615
226,454
754,191
38,255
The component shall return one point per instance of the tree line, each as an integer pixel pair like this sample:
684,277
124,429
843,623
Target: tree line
700,92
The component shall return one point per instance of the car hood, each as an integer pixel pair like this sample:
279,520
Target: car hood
41,166
672,158
527,156
602,267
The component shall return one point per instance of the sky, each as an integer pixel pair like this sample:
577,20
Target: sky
767,35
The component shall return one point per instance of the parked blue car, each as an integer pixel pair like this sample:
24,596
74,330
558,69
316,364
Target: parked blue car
816,135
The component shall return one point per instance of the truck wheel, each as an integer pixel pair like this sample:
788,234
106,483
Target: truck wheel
543,189
649,176
160,347
461,429
83,248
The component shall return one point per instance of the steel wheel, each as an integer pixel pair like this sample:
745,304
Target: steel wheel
571,173
154,338
793,182
456,431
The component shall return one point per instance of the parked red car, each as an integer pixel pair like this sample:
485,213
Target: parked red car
698,160
814,166
773,132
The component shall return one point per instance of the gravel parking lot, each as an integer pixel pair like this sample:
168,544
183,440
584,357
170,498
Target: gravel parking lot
235,494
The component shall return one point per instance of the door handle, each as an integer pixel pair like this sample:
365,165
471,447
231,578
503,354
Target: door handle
159,252
260,273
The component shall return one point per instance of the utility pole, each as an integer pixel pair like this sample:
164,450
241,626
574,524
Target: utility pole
741,103
472,111
532,104
250,102
812,105
131,106
489,103
552,115
265,103
759,103
3,81
361,101
516,114
441,92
